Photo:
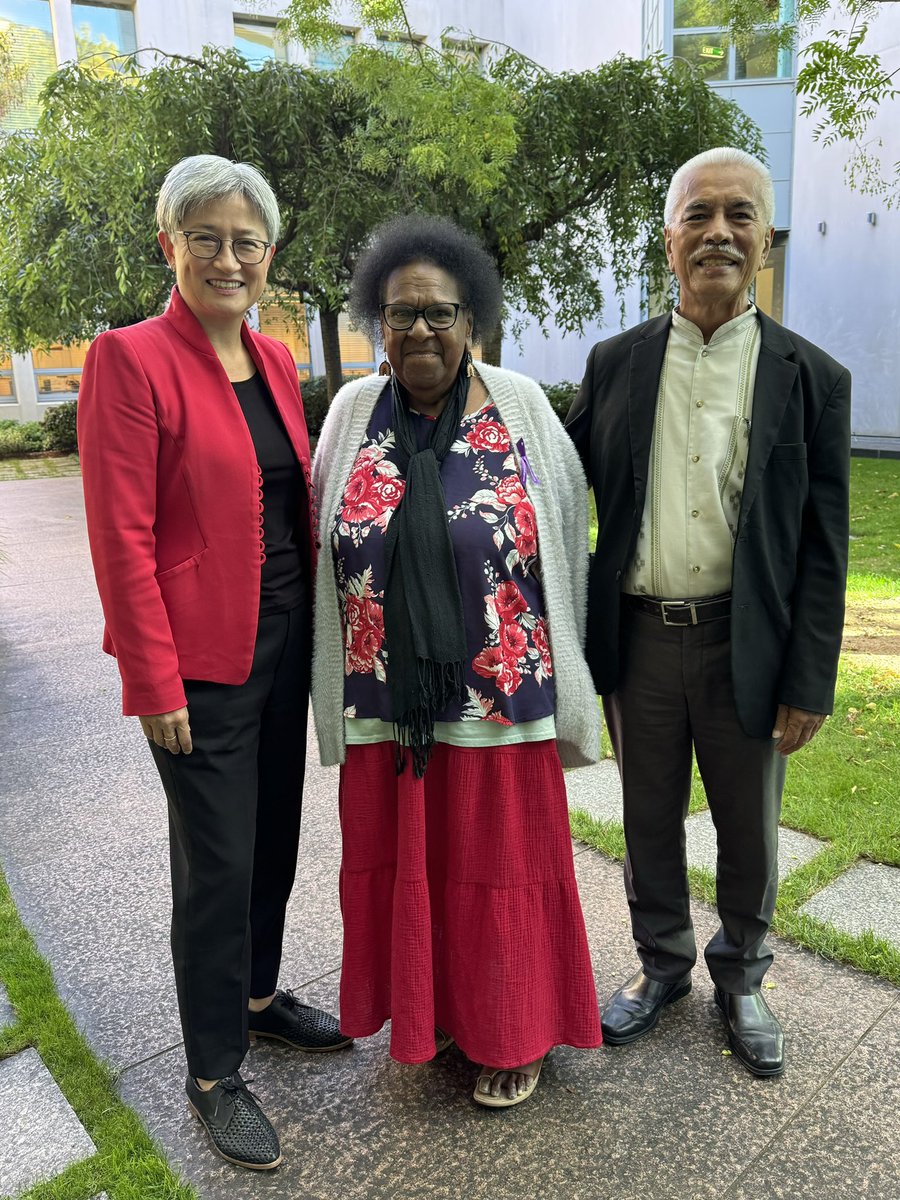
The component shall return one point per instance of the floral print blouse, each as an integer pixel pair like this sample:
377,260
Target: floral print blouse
508,671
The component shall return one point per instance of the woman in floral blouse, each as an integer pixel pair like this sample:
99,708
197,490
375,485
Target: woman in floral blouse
448,678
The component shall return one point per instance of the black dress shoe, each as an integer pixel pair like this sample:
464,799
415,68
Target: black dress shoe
634,1009
238,1129
754,1033
297,1025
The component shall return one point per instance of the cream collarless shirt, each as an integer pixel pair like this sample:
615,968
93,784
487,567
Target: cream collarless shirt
698,459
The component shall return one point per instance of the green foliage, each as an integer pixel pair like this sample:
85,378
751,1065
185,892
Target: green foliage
20,438
560,396
127,1164
843,86
316,400
58,428
78,252
12,74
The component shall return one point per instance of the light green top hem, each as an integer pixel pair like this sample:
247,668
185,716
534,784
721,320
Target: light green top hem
364,731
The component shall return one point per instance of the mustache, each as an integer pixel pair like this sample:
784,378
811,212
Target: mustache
725,249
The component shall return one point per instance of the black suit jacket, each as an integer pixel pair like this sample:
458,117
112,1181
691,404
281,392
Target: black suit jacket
790,553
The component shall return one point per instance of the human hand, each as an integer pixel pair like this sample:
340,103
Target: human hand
794,727
169,730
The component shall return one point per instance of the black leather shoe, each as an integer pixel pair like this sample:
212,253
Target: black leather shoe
297,1025
754,1033
238,1129
634,1009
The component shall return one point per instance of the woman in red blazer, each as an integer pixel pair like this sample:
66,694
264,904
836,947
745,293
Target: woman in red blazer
196,469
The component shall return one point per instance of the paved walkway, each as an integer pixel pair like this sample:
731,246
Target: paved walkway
83,843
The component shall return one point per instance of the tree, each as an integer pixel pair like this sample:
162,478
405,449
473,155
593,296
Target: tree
842,85
592,154
12,74
79,251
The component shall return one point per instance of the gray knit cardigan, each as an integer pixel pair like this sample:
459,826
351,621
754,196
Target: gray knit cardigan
560,505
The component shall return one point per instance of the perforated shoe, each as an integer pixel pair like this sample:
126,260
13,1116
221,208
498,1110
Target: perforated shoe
238,1129
298,1025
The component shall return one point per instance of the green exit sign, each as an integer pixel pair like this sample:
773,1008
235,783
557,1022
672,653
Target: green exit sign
712,52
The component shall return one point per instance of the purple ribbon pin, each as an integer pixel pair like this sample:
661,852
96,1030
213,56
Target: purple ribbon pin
525,469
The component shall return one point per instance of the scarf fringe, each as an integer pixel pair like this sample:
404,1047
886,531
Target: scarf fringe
439,683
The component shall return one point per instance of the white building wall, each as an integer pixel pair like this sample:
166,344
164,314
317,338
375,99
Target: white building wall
843,288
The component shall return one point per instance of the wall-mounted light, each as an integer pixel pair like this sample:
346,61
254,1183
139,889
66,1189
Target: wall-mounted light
872,218
822,227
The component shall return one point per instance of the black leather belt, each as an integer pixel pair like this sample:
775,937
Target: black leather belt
681,612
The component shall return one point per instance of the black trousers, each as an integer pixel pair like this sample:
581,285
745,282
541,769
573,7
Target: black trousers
674,696
234,827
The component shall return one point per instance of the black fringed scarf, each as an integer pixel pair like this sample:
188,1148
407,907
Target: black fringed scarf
423,612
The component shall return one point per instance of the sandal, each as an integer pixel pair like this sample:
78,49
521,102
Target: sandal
490,1101
442,1041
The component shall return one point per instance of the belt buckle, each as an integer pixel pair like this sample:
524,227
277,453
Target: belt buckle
679,606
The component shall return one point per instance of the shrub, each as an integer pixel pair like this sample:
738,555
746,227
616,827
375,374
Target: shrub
560,396
59,427
316,401
20,437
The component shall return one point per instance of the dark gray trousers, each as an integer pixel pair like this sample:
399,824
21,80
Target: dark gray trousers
234,828
674,696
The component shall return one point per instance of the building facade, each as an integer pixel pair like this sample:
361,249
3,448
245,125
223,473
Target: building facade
836,254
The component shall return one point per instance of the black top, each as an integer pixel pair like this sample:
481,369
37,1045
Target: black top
283,578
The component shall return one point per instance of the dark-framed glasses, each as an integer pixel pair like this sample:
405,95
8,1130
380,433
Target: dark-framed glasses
206,245
437,316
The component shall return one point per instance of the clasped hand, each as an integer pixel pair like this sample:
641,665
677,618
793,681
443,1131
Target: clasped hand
171,731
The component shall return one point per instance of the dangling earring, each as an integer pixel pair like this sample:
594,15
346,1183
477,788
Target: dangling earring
385,368
470,369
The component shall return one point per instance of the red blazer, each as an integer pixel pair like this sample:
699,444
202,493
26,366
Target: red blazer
173,500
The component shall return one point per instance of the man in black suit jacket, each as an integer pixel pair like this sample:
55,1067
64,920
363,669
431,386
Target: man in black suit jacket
717,445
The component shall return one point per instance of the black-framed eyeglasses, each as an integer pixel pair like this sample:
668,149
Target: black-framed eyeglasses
437,316
206,245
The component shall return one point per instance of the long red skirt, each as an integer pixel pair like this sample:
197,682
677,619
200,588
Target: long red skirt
460,905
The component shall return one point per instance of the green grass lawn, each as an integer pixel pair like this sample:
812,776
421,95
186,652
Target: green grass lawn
127,1165
842,789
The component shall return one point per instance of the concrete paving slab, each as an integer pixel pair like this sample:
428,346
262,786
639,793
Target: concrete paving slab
846,1140
596,790
867,897
41,1134
7,1012
358,1125
668,1117
48,678
794,849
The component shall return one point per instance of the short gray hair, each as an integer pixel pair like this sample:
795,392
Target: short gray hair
203,178
727,156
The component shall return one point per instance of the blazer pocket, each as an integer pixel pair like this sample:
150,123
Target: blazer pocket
179,568
789,450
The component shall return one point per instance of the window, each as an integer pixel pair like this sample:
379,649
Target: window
769,284
286,320
31,32
7,391
103,33
357,352
467,51
57,371
702,42
396,42
329,58
258,41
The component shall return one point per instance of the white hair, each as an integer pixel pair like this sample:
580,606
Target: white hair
203,178
728,156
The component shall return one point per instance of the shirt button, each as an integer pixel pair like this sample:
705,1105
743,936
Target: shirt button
695,458
695,569
704,354
695,513
699,403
